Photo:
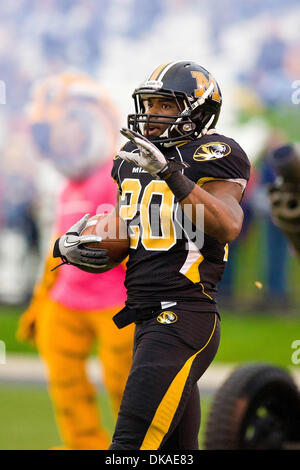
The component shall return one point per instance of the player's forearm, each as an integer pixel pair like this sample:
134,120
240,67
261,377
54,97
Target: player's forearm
223,216
222,220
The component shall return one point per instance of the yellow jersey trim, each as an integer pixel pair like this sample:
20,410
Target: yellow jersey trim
193,272
207,179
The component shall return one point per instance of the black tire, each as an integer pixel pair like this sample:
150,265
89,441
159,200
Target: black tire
257,407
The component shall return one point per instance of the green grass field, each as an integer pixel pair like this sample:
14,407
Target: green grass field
27,413
28,422
258,338
27,418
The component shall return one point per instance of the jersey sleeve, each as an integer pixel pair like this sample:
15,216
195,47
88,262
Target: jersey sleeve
117,162
218,157
115,169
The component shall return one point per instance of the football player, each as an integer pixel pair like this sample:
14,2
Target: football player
178,178
74,126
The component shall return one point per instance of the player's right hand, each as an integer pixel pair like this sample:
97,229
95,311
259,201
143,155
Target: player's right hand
70,248
149,157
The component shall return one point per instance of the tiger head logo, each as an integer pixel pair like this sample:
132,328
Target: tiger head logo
211,151
167,317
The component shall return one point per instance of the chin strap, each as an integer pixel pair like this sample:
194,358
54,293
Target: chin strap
57,254
61,264
207,132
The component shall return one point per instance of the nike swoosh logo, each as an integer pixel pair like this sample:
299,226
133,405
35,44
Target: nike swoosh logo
69,244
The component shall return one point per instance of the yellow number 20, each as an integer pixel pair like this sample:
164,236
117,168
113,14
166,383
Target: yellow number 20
151,241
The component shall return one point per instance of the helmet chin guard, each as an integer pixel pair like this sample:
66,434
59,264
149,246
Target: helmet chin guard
196,93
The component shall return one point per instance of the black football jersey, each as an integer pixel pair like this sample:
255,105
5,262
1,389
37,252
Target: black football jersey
169,259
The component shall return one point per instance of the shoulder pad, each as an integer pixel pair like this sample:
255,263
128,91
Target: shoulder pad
215,147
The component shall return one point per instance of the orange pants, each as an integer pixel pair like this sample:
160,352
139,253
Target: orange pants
64,340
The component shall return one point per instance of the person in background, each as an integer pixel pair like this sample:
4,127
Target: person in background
19,234
227,297
276,249
73,125
273,265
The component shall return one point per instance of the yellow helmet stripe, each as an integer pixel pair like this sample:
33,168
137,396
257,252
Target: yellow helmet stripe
161,71
158,70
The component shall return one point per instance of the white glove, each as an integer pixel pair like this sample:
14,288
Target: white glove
70,247
149,157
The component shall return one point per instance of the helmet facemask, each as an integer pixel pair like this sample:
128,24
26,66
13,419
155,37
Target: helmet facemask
193,116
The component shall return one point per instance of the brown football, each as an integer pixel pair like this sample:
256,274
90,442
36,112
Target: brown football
113,231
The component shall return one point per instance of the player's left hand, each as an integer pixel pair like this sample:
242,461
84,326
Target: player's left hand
70,248
149,157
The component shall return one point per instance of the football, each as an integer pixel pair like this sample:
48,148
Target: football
115,239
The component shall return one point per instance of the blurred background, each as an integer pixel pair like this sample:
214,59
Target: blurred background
253,50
